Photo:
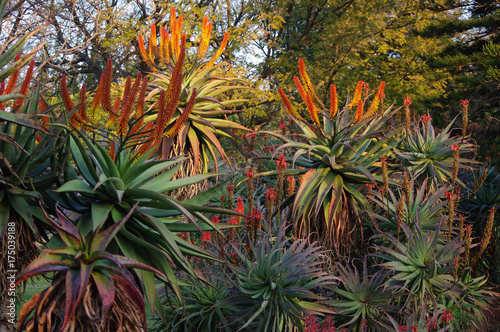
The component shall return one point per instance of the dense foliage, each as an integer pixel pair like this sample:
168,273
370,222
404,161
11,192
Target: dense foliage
132,182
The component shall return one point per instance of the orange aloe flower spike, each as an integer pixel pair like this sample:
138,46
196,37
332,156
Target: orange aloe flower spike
161,120
376,100
163,51
176,79
139,108
300,88
26,83
82,110
128,102
79,119
219,51
333,101
359,111
153,42
206,30
313,112
307,82
106,87
288,106
178,30
184,116
68,104
144,53
357,94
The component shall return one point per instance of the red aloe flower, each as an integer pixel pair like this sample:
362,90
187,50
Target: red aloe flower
455,147
426,118
447,316
250,173
271,193
407,101
206,237
281,163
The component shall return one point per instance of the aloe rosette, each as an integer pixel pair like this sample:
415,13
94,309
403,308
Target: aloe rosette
100,190
426,153
335,159
91,290
275,289
364,298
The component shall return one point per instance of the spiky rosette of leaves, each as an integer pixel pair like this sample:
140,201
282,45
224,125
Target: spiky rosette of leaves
101,190
92,289
364,297
428,154
484,194
206,308
422,264
335,161
198,133
472,312
420,206
274,289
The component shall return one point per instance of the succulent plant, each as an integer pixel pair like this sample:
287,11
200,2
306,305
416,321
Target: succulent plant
91,290
194,133
206,308
336,159
427,154
274,290
364,298
422,264
419,206
102,190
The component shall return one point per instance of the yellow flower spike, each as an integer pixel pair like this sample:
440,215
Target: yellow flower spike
307,82
113,115
357,94
359,111
376,101
184,116
206,30
313,112
153,43
333,101
177,39
96,102
219,51
173,16
144,53
300,88
288,106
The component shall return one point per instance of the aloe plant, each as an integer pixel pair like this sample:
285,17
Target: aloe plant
427,154
336,159
206,308
101,190
30,159
365,299
93,288
196,133
274,289
422,264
